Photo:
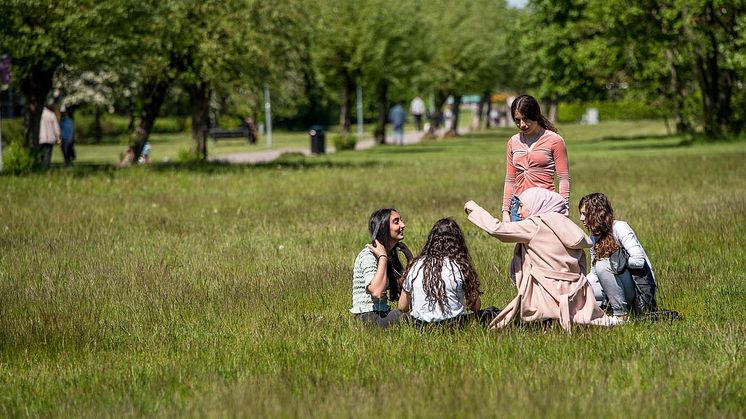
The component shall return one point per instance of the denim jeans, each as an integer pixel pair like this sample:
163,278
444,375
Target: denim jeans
514,204
618,290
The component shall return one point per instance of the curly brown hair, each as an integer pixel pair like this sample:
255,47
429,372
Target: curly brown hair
446,240
599,218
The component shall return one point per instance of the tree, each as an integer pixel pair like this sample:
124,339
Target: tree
41,36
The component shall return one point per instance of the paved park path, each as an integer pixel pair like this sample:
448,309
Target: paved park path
263,156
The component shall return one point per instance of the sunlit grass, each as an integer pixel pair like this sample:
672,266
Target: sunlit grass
210,290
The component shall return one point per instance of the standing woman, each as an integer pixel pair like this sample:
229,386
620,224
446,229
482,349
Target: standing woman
534,156
378,269
624,282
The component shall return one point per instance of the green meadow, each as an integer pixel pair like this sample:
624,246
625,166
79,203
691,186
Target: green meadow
216,290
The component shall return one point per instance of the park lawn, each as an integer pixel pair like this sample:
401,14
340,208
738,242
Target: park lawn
214,290
168,146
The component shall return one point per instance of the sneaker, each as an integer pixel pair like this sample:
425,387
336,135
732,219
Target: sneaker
617,320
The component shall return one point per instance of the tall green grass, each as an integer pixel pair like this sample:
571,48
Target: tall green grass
210,290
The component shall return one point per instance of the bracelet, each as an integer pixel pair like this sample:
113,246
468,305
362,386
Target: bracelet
382,256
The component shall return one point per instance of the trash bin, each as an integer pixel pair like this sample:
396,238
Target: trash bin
318,139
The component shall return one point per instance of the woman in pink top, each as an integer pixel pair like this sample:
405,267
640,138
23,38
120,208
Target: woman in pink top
534,156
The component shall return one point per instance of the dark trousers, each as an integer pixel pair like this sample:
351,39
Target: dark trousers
46,155
382,319
68,152
418,122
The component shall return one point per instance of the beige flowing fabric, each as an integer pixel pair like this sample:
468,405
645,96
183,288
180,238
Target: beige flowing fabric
548,268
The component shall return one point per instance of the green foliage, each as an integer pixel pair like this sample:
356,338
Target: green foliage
344,142
612,110
188,155
12,131
17,159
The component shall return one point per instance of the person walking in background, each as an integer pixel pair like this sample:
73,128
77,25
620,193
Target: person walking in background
49,134
67,132
534,156
397,117
417,109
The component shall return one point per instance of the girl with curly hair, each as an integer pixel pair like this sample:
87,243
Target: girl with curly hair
612,272
441,280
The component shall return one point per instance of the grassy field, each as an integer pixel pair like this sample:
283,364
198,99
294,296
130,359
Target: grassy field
212,290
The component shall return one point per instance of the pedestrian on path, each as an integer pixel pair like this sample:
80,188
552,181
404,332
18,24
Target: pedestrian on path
397,117
417,109
49,134
67,132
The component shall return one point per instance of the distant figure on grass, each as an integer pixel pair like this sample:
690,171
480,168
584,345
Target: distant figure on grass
67,133
548,267
249,128
621,273
397,117
49,134
377,268
441,281
534,156
417,109
128,157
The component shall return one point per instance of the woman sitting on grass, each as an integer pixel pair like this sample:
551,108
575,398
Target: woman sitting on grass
616,256
548,262
439,278
377,268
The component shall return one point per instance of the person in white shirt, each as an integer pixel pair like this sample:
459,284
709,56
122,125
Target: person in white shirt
417,109
613,284
441,281
49,134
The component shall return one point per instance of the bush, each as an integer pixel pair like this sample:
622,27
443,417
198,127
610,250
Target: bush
188,155
344,142
12,131
17,159
623,110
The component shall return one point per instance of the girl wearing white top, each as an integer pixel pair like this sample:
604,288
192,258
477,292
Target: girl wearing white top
608,235
441,280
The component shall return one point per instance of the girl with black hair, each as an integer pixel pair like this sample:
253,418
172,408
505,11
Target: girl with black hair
378,269
441,278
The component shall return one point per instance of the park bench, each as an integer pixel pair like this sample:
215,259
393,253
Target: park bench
216,133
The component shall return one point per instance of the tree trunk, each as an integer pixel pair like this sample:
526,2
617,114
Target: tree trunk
35,88
437,115
677,92
489,112
348,87
716,84
97,131
456,110
484,99
200,100
382,106
551,105
156,93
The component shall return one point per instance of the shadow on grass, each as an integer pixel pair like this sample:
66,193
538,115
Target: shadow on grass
211,168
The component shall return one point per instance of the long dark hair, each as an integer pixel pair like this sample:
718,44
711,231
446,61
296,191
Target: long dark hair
529,108
599,216
446,240
378,226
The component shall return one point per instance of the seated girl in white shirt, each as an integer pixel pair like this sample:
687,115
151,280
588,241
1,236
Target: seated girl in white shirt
441,280
614,284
